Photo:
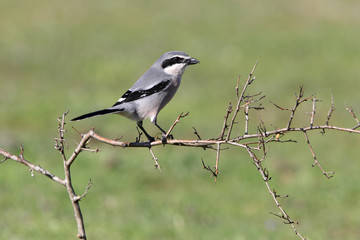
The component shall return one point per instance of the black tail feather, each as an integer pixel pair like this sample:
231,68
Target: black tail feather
93,114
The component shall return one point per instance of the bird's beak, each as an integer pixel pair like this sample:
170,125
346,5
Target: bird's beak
193,61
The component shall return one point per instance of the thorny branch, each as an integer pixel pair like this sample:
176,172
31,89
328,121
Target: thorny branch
331,110
327,174
252,142
240,99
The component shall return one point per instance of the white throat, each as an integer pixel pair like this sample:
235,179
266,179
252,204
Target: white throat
176,69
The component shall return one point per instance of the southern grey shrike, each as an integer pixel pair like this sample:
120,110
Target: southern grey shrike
151,92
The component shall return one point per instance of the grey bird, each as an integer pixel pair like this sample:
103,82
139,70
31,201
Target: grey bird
151,92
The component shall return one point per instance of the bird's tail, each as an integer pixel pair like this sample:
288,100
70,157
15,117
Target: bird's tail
96,113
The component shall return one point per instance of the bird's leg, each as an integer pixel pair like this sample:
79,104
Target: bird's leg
163,137
150,138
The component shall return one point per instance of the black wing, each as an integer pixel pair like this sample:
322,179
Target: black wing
130,96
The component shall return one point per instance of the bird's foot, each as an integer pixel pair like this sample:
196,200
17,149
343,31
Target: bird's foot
164,138
151,139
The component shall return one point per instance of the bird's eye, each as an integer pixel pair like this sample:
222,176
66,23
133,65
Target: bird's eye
172,61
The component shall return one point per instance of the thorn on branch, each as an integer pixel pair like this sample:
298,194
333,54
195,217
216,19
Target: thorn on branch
313,112
196,133
31,172
217,160
237,88
254,95
225,126
208,168
78,198
266,175
356,127
252,79
330,112
351,111
118,138
258,107
246,111
157,165
90,150
262,129
21,155
240,99
281,108
77,131
316,162
198,136
279,196
286,218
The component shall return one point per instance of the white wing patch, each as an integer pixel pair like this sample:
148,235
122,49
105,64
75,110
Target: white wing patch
121,99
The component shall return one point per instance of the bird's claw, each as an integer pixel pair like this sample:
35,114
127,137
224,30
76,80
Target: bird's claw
164,138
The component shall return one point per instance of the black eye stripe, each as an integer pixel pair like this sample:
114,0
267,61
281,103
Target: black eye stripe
172,61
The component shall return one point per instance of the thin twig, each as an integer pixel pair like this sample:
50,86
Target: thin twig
157,165
331,110
249,80
228,111
196,133
246,119
5,158
351,111
78,198
31,166
68,183
313,111
176,122
217,160
298,101
265,175
208,168
327,174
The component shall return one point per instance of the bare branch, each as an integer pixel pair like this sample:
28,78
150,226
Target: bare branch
228,111
265,175
176,122
281,108
313,112
249,80
78,198
157,165
351,111
5,158
217,160
31,166
327,174
331,110
196,133
208,168
246,111
299,100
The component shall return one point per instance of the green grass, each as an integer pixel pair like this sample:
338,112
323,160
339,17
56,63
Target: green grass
83,55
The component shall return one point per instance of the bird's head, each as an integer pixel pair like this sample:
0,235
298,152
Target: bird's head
174,63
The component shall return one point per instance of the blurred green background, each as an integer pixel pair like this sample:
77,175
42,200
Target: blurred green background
83,55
